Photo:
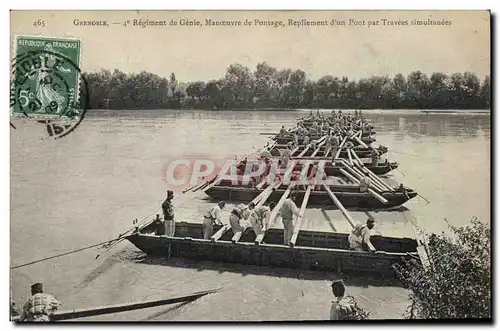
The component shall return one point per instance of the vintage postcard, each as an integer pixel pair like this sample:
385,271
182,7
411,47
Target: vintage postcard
250,165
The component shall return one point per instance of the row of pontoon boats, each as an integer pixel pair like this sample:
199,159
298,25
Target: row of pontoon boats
339,188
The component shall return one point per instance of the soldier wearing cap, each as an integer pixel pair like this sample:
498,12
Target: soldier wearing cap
39,306
212,217
359,238
288,211
341,308
239,212
168,214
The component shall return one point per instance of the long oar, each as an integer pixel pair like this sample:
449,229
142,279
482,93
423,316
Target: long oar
87,312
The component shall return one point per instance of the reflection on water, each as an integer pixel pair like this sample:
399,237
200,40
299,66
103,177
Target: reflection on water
89,186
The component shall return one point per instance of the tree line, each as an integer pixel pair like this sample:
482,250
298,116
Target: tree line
268,87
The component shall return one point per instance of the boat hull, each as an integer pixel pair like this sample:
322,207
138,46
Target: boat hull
351,199
314,250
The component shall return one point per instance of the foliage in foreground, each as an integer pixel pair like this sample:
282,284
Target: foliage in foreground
458,282
357,313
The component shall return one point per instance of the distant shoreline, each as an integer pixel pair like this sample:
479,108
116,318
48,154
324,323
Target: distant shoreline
391,110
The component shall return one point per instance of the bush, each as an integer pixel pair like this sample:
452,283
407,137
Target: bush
458,282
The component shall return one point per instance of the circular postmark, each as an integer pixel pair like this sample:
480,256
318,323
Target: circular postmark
48,87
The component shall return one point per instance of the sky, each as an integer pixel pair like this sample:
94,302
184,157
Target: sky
204,52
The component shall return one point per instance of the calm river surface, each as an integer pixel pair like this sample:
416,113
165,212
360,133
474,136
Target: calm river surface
89,186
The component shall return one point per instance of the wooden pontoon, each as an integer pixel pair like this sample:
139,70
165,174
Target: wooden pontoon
348,194
362,152
312,249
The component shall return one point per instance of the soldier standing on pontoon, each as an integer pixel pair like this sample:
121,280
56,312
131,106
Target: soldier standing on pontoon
168,214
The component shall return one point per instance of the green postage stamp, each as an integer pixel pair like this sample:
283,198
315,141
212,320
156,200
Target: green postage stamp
46,78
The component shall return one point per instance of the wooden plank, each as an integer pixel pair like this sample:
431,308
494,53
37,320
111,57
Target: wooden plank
350,157
339,205
377,196
304,151
327,152
216,236
237,236
340,148
361,142
374,177
343,210
358,174
351,177
329,220
275,212
261,184
261,198
87,312
301,215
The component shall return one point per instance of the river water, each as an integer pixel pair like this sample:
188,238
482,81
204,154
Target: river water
90,185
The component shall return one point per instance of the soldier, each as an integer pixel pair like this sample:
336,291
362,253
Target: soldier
359,238
168,214
288,210
211,217
39,306
237,214
341,308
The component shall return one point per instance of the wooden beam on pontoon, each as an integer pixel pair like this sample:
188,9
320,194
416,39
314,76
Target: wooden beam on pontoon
301,215
343,210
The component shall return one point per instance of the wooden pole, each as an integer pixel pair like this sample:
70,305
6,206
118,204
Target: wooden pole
275,212
340,147
266,193
339,205
79,313
343,210
329,220
361,142
372,175
350,157
304,151
358,174
301,215
373,183
371,191
237,236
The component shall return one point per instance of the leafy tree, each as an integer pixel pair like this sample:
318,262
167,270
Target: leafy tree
268,87
484,95
458,282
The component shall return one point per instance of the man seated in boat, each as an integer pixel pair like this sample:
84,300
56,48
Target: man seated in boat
359,238
238,213
260,218
39,306
212,217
